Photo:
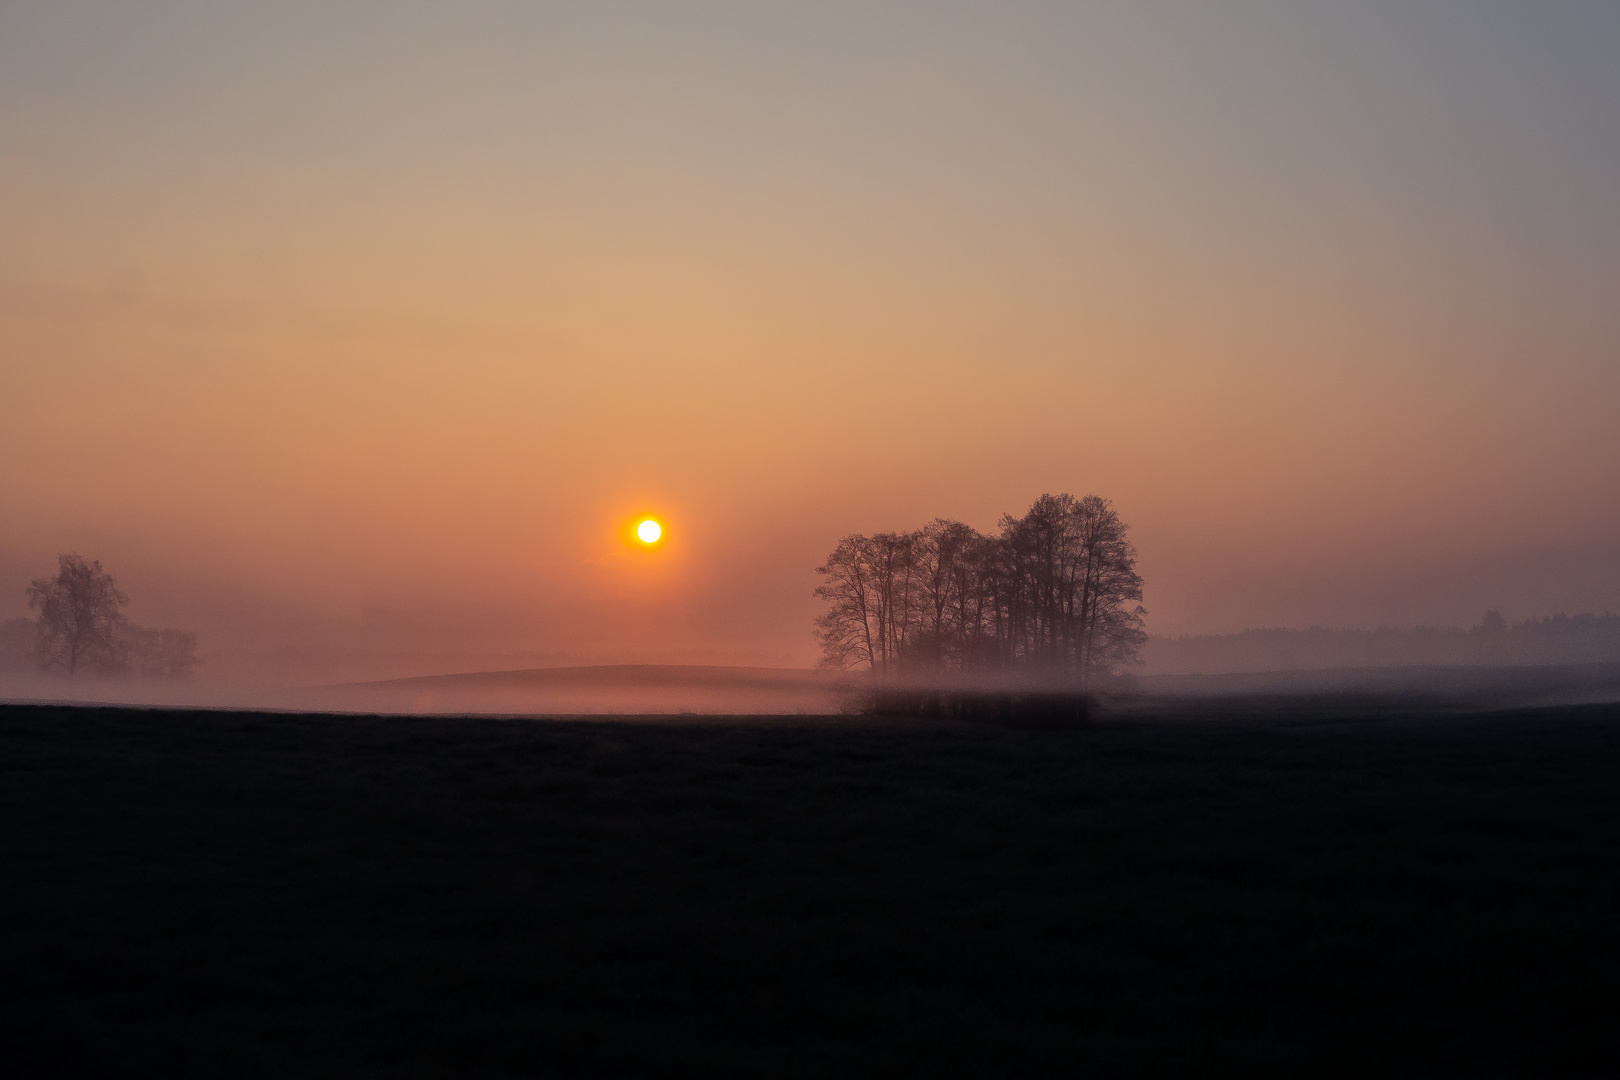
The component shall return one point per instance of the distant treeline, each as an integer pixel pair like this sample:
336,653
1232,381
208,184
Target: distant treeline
80,628
1561,639
1056,592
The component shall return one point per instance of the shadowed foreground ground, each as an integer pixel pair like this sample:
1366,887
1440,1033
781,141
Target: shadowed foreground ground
1266,890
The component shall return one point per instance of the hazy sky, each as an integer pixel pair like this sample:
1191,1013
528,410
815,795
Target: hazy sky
367,325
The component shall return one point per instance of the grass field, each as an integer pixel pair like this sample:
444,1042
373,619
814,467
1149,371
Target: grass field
1301,887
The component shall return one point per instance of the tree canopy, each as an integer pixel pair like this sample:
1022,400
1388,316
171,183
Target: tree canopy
80,615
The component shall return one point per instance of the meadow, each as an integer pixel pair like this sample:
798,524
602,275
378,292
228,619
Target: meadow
1284,885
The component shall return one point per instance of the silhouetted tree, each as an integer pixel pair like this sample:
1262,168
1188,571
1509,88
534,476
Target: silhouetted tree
848,631
1056,592
942,553
871,587
79,617
973,567
893,575
1105,603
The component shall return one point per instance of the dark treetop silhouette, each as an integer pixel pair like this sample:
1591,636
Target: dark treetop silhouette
1056,593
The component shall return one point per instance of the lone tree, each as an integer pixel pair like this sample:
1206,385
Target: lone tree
81,627
1056,593
79,618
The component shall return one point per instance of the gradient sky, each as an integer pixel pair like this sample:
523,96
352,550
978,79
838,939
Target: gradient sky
365,326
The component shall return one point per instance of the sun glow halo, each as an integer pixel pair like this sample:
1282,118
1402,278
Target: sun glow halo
649,531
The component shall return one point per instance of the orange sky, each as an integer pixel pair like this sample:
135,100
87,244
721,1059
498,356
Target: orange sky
369,330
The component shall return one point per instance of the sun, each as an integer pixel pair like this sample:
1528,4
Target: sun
648,531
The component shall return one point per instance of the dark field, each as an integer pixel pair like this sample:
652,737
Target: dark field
1290,887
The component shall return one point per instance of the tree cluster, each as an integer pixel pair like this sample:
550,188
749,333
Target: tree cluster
1055,593
80,627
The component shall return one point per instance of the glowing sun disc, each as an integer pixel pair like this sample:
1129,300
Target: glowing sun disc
649,531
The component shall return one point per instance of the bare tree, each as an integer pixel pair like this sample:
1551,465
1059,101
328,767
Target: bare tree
972,567
941,551
79,618
892,571
1107,611
1040,545
849,630
875,614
